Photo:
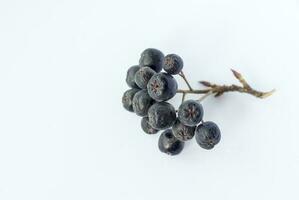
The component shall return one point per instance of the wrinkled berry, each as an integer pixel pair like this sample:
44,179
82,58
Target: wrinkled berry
190,113
162,87
130,79
142,102
173,64
143,75
182,132
146,127
161,115
169,144
152,58
127,99
207,135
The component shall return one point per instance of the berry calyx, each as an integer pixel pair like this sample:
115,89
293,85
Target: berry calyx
162,87
207,135
182,132
190,113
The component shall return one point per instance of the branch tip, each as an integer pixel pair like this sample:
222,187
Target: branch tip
267,94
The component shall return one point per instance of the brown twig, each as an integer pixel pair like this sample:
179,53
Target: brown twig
219,90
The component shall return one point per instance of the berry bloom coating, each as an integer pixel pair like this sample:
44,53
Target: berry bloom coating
182,132
143,75
190,113
162,87
207,135
142,102
173,64
161,115
152,58
127,99
146,127
169,144
130,79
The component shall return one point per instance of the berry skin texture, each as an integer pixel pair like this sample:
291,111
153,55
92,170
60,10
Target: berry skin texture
146,127
162,87
143,75
169,144
161,115
190,113
127,99
152,58
173,64
142,102
130,79
182,132
207,135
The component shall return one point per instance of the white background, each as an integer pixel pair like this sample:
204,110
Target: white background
64,133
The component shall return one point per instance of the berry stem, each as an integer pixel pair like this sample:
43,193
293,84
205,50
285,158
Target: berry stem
181,74
219,90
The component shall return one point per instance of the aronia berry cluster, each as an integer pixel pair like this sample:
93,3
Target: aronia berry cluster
150,89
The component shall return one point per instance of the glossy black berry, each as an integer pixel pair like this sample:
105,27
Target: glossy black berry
152,58
190,113
173,64
130,79
127,99
182,132
162,86
143,75
207,135
146,127
169,144
161,115
142,102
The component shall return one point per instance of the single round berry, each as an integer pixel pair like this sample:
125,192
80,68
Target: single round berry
143,75
142,102
190,113
162,87
182,132
146,127
161,115
152,58
130,79
169,144
173,64
207,135
127,99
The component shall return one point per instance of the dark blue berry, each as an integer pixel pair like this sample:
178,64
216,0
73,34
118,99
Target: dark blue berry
182,132
130,79
146,127
127,99
190,113
161,115
169,144
162,87
152,58
207,135
143,75
142,102
173,64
